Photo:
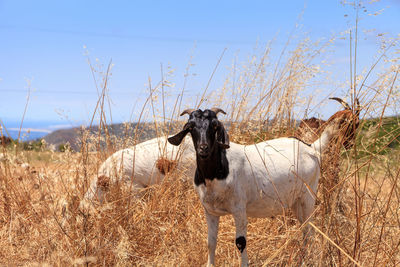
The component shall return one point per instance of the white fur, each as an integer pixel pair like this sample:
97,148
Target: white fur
264,179
136,166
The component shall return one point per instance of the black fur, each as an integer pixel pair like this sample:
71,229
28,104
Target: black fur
215,167
241,243
210,141
176,140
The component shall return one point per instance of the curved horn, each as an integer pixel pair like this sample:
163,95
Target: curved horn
341,101
218,110
187,111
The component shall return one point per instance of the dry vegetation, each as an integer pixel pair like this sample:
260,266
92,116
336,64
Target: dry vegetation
41,222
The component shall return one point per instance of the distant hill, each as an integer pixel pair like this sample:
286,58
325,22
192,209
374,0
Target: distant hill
64,136
120,131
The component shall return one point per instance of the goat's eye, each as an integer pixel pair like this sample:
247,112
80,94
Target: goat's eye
214,124
189,126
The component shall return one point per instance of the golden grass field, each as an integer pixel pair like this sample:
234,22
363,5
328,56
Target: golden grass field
42,224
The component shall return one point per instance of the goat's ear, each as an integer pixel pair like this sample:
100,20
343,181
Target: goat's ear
222,136
176,140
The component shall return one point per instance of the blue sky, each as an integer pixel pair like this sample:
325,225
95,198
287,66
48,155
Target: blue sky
44,42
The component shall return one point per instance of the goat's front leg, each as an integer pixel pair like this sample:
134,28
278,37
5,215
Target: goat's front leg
240,218
212,227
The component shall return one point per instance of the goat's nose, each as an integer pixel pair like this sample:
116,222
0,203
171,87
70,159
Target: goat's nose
204,147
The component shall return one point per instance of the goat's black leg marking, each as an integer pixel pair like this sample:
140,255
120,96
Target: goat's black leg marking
241,243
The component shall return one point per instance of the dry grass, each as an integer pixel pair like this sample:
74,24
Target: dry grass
41,222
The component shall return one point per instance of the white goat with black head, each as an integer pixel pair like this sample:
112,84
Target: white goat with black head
257,180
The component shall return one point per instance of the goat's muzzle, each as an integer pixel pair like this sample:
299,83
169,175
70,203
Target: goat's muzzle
203,151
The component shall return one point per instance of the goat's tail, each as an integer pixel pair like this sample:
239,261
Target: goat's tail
322,143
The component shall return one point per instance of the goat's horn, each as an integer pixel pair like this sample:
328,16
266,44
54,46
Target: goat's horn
341,101
187,111
218,110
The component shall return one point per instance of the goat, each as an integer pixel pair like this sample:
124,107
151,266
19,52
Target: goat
309,130
257,180
140,166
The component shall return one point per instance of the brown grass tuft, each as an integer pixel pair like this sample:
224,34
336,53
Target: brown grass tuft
165,165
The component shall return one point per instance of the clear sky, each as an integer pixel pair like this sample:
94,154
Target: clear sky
44,42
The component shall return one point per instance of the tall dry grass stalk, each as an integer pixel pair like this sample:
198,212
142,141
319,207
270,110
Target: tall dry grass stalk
41,222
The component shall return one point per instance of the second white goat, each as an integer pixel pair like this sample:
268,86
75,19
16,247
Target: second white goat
141,166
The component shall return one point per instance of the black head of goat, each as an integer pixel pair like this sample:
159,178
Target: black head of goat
207,132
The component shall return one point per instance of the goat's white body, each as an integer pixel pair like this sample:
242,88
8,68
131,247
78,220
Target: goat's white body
136,166
264,178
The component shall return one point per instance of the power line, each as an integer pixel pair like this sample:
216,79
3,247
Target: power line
125,36
60,92
18,91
